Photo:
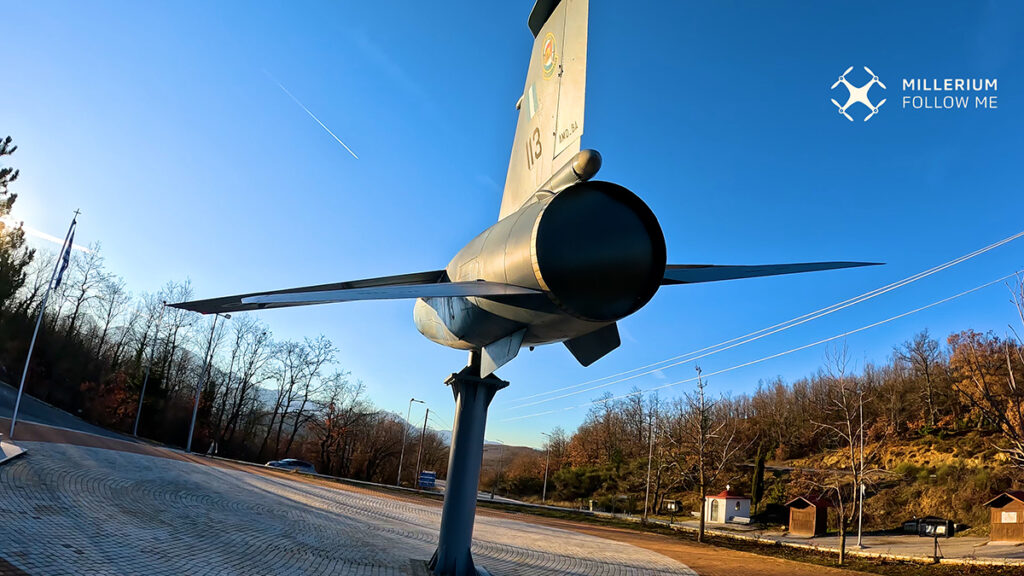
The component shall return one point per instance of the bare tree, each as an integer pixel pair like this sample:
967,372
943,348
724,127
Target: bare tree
87,277
315,355
37,278
706,441
114,300
339,411
225,392
177,324
989,373
283,361
558,448
923,356
381,441
256,352
843,422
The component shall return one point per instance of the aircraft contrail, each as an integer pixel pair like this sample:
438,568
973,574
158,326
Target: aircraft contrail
311,115
43,235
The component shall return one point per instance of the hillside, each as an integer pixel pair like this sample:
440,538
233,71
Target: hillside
950,475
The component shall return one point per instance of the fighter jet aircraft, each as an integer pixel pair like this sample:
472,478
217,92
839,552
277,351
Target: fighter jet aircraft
569,255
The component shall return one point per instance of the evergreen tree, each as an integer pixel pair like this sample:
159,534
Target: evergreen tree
14,255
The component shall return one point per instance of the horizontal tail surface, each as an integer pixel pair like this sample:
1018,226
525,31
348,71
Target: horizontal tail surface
433,284
696,273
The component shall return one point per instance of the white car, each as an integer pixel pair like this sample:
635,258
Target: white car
292,464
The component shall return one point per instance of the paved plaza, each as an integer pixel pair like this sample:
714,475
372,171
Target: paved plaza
78,510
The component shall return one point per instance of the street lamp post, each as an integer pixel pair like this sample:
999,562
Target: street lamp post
650,456
405,435
861,488
202,381
145,380
547,459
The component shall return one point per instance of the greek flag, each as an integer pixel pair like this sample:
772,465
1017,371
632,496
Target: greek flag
532,103
65,260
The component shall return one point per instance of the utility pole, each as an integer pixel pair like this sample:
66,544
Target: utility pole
650,455
142,394
547,459
58,272
501,454
419,453
861,488
405,435
202,381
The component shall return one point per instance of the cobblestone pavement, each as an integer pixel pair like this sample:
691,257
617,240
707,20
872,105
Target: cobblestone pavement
79,510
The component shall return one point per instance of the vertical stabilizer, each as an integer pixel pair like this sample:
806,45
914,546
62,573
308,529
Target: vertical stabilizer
551,107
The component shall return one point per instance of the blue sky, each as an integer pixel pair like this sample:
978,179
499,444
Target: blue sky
163,123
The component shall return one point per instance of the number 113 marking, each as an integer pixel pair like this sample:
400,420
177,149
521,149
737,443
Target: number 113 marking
533,148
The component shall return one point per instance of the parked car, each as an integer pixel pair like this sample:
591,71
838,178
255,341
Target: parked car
930,527
292,464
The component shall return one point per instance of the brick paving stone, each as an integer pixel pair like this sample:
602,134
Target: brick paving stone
80,510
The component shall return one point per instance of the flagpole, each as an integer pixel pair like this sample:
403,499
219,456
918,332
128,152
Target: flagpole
65,254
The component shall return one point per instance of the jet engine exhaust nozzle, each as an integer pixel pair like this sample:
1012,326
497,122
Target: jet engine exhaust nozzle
599,251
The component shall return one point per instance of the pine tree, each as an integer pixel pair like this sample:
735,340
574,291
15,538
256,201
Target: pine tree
14,255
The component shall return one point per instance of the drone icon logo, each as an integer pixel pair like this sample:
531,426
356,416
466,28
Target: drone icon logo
858,94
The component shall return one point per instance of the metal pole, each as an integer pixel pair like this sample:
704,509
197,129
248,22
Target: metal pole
142,394
860,507
202,381
473,395
650,455
547,459
419,452
405,435
42,308
501,453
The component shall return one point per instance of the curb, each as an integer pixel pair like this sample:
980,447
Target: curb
9,451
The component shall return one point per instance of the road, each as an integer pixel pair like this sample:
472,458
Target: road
32,410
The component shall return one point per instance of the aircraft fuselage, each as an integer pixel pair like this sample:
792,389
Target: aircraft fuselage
594,251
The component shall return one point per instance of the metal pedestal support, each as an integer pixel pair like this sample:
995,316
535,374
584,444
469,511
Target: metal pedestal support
473,395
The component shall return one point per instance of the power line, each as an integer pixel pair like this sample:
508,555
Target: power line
771,357
437,422
438,414
756,335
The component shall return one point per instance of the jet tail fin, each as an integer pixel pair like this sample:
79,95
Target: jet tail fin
551,106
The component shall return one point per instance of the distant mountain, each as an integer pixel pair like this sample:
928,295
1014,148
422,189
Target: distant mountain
446,435
268,396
